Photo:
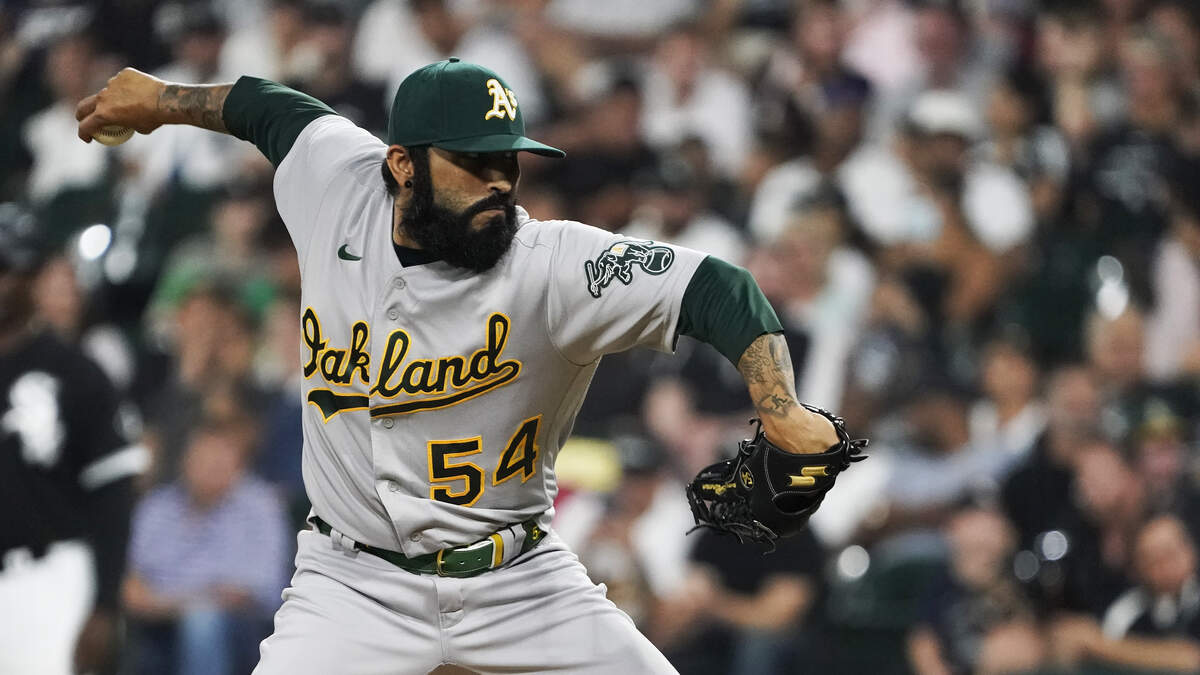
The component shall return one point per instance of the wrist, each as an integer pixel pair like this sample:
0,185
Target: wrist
800,431
164,113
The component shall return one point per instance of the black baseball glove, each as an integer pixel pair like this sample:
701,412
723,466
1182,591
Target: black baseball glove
765,492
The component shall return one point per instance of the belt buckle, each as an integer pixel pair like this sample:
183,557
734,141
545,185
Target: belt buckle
437,565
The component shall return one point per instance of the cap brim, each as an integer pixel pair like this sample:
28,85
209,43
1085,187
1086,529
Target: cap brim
500,143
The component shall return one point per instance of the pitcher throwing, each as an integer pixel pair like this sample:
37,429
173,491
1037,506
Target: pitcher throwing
448,342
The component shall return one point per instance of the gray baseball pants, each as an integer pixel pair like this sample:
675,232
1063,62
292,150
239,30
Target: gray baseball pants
351,613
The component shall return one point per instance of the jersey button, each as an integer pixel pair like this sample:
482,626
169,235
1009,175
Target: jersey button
415,536
393,313
393,486
399,283
388,423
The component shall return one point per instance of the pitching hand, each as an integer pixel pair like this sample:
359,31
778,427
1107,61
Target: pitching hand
130,100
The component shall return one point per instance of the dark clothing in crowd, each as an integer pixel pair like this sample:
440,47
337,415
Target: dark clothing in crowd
961,617
1037,494
743,569
65,465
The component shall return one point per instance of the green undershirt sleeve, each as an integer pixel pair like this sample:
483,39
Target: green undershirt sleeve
724,307
269,115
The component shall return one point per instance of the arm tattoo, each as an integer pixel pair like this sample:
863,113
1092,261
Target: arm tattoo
198,105
767,369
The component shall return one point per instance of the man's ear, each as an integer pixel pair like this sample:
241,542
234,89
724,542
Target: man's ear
400,162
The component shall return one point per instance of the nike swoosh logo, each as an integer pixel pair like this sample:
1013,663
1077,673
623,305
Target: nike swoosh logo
347,255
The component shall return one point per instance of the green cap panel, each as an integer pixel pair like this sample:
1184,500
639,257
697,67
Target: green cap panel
463,107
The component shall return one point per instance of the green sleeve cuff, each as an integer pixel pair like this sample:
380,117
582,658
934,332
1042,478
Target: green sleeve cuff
269,115
724,307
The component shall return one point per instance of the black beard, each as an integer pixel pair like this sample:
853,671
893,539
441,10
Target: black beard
448,234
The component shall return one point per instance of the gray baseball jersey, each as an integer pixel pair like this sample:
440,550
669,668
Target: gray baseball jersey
437,398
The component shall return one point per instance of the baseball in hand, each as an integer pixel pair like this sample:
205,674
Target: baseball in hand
113,135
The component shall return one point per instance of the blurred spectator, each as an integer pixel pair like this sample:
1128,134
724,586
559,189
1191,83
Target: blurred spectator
69,183
740,612
202,602
62,305
267,48
836,121
1021,140
1178,25
891,354
1116,350
67,471
324,71
208,370
1092,544
229,251
1010,416
1038,493
1173,328
805,89
1124,196
696,405
432,30
685,95
724,196
1070,50
881,45
942,217
821,288
673,211
606,152
196,35
1153,626
632,539
278,374
978,601
932,468
950,60
1161,455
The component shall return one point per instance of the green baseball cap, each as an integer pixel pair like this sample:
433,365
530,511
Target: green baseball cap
462,107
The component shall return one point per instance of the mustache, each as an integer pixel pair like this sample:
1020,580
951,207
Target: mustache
498,200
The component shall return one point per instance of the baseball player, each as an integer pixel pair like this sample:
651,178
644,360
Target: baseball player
448,342
66,485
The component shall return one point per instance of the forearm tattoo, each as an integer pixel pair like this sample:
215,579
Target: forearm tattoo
198,105
767,369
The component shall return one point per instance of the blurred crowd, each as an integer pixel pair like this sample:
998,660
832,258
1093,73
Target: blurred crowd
979,221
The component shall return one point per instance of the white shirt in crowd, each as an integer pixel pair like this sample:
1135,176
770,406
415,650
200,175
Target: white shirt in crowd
1173,328
718,111
620,18
884,198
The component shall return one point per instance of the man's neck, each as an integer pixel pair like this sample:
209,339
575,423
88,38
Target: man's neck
399,236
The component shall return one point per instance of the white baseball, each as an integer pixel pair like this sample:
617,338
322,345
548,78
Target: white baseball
113,135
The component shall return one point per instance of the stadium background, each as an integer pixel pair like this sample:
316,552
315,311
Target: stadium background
979,222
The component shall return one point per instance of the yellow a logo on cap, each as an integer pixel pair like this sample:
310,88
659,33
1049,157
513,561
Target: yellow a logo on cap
504,102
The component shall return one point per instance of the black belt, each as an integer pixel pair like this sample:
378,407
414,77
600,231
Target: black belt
459,561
